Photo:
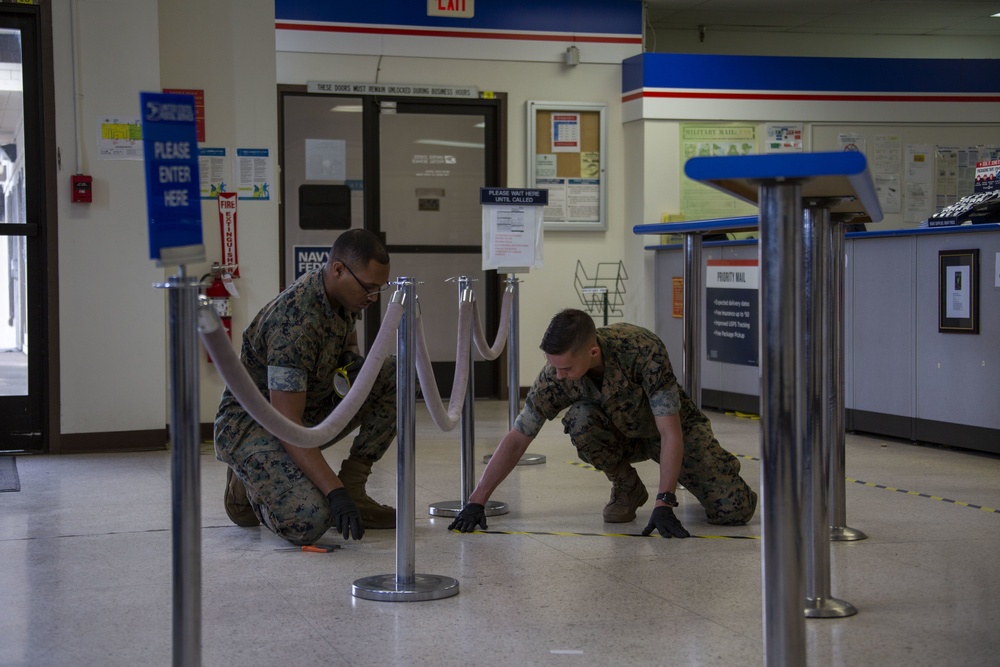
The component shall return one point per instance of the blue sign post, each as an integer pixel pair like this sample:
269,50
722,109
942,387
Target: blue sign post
170,141
173,201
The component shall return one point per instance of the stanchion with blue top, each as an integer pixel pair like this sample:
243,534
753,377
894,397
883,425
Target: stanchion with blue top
796,195
693,232
170,142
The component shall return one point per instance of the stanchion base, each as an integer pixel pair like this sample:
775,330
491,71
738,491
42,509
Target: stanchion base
453,507
526,460
386,588
828,608
846,534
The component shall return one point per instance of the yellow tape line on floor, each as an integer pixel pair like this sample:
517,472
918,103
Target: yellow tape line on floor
858,481
561,533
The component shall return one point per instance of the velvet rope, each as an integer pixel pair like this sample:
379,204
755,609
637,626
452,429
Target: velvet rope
227,362
492,352
446,420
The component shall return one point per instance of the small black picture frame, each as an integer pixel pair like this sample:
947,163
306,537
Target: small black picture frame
958,291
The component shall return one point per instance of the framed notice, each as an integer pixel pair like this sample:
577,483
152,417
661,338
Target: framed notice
567,155
958,291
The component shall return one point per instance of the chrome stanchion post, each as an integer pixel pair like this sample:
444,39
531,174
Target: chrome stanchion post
839,530
468,428
819,603
514,368
185,473
781,438
514,352
691,361
405,585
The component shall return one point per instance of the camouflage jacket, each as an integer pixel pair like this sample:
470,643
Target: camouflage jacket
294,344
638,383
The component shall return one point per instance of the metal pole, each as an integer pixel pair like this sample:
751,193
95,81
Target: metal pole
514,369
781,438
185,480
819,603
839,530
405,433
405,585
692,316
468,420
514,353
468,429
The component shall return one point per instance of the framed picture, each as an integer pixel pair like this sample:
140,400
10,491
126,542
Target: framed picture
958,291
567,155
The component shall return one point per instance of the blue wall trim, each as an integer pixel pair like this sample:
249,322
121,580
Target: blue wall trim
890,75
582,16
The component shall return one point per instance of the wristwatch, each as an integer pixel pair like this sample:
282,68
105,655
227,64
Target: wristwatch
667,497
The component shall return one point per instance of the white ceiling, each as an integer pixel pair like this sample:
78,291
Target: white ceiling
952,18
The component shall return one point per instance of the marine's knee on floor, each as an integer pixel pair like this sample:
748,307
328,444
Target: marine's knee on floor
298,530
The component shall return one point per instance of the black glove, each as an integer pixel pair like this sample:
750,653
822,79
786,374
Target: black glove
472,515
346,517
666,523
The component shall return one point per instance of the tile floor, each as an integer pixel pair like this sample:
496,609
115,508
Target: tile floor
85,579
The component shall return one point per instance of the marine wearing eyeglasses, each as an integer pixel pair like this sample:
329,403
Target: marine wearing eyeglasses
294,349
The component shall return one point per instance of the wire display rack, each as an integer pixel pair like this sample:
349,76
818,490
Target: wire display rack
604,291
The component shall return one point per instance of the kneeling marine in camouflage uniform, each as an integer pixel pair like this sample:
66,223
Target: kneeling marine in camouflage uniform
623,405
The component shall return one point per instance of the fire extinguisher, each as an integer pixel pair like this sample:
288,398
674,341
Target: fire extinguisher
220,296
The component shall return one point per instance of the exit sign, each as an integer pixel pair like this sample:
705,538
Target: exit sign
463,9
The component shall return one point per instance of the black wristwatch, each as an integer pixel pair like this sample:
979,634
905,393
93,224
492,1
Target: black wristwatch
667,497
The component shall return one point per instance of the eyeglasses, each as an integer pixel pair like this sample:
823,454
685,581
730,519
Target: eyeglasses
369,292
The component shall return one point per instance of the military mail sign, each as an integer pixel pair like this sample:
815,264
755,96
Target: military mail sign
173,201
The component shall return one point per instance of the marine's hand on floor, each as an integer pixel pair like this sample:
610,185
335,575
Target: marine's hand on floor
471,515
346,516
666,523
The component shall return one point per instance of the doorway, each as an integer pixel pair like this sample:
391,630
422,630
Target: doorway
23,234
410,170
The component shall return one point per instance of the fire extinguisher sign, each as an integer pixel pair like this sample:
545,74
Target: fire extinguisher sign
173,202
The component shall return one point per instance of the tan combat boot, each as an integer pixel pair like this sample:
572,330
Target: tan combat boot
354,475
237,506
627,493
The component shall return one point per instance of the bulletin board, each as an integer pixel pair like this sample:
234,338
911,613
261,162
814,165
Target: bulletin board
567,154
918,169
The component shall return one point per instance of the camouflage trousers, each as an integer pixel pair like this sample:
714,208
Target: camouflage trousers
708,471
281,495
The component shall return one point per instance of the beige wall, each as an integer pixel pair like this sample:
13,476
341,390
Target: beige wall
550,289
112,321
113,324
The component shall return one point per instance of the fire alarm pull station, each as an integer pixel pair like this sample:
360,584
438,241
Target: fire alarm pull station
82,191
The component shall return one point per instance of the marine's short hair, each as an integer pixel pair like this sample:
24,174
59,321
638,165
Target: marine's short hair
569,331
357,247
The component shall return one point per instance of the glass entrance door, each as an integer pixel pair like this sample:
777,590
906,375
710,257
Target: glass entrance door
433,159
22,327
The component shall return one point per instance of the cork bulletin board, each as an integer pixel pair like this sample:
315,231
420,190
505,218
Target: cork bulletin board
567,145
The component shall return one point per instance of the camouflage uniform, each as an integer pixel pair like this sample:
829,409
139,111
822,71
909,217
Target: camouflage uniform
294,344
611,423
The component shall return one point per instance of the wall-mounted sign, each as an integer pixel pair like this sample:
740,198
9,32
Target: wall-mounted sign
461,9
397,89
731,311
172,196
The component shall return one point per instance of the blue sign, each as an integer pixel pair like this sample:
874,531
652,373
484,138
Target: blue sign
519,197
173,200
309,258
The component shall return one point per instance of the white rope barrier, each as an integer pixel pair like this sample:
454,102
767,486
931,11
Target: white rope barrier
492,352
446,420
236,377
242,386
